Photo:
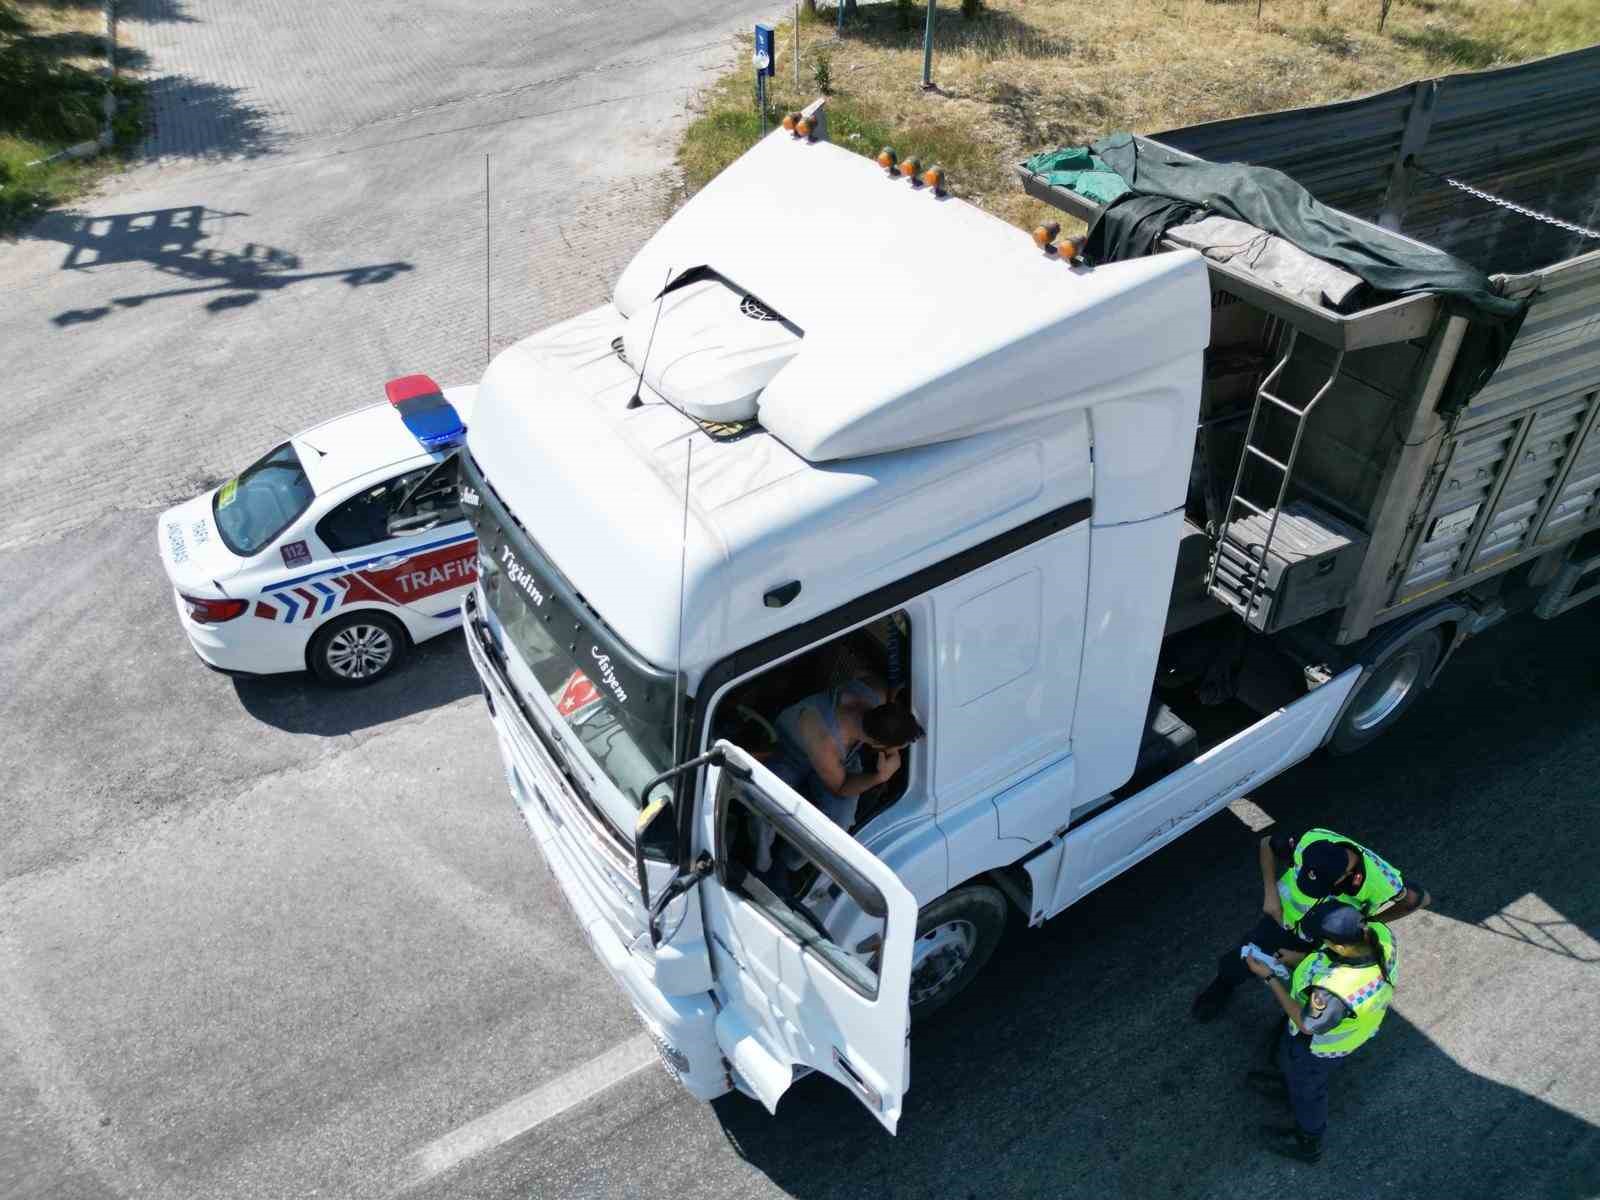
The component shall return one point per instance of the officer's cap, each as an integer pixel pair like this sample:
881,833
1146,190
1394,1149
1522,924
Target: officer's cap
1321,866
1334,921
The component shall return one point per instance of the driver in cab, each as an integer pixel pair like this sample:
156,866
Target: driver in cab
821,740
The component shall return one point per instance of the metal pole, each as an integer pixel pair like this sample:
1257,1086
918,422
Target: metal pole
761,99
797,46
487,354
927,48
839,12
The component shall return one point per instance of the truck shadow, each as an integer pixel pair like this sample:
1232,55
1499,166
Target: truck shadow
1089,1111
436,673
170,240
1071,1067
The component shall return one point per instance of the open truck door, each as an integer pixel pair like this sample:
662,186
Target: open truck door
1110,842
812,955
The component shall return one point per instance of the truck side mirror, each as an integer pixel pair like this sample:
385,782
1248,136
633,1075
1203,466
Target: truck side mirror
658,806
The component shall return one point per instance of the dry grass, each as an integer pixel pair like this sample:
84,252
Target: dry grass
77,27
1031,75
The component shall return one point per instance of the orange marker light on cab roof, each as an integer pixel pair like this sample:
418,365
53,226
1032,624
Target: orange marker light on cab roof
887,159
934,178
790,120
1046,234
804,127
911,168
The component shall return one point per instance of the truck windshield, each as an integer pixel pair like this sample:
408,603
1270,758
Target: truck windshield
266,497
619,707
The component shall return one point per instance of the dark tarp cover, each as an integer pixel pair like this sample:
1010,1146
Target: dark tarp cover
1272,201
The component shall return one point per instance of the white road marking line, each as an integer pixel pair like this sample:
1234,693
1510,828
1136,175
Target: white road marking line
528,1112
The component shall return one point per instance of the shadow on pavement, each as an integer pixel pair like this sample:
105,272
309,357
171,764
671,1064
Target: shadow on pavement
196,118
996,1115
1071,1068
436,673
169,239
151,12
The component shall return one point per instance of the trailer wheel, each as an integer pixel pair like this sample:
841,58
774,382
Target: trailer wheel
956,935
1392,686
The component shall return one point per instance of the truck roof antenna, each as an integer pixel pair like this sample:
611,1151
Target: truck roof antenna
683,558
639,383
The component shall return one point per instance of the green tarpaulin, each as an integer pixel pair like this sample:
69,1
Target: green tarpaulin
1083,172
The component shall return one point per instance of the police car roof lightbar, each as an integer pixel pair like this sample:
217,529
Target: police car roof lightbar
425,411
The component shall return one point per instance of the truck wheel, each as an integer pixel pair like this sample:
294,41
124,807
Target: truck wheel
358,649
956,934
1388,692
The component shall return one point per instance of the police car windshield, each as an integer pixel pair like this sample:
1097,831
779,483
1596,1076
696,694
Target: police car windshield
265,499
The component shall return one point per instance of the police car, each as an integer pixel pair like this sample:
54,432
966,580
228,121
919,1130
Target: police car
336,551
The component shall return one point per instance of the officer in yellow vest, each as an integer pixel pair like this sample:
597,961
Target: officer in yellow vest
1321,864
1335,1000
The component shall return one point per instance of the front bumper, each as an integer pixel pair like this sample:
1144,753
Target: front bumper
682,1026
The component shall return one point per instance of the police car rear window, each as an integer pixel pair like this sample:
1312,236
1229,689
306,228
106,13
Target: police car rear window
264,500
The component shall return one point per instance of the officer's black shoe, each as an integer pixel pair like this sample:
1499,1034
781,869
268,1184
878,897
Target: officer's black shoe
1209,1004
1291,1143
1268,1083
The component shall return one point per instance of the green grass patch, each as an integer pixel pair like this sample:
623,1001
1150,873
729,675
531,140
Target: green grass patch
729,124
48,103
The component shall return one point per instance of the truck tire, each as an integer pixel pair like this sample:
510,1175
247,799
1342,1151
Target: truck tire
357,649
1391,687
956,935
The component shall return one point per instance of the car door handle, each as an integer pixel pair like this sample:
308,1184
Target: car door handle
391,560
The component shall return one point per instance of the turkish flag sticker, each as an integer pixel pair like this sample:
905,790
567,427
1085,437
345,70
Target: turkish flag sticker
576,695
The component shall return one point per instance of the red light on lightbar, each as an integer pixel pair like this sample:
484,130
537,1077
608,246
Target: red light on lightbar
409,387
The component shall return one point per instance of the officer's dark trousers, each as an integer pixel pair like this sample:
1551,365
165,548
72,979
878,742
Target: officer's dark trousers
1307,1077
1267,934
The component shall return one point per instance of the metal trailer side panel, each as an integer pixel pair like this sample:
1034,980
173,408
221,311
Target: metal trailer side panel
1519,471
1451,500
1530,134
1341,153
1557,351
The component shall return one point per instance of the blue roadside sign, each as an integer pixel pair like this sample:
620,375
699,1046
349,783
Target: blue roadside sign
766,50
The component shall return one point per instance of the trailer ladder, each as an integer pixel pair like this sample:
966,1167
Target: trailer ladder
1240,594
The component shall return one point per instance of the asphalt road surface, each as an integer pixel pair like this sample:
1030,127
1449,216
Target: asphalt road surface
258,939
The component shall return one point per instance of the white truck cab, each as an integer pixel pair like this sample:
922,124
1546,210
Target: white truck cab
835,426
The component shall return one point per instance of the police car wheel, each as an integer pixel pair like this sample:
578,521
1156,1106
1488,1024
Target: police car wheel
1391,687
357,649
956,935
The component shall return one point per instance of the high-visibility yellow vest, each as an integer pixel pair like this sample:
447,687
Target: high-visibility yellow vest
1364,990
1381,887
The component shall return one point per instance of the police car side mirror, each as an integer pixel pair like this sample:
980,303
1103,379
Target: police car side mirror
400,525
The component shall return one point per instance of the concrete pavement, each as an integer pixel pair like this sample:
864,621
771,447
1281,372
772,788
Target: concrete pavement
258,939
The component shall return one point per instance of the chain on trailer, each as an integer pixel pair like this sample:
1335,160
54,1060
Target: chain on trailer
1509,206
